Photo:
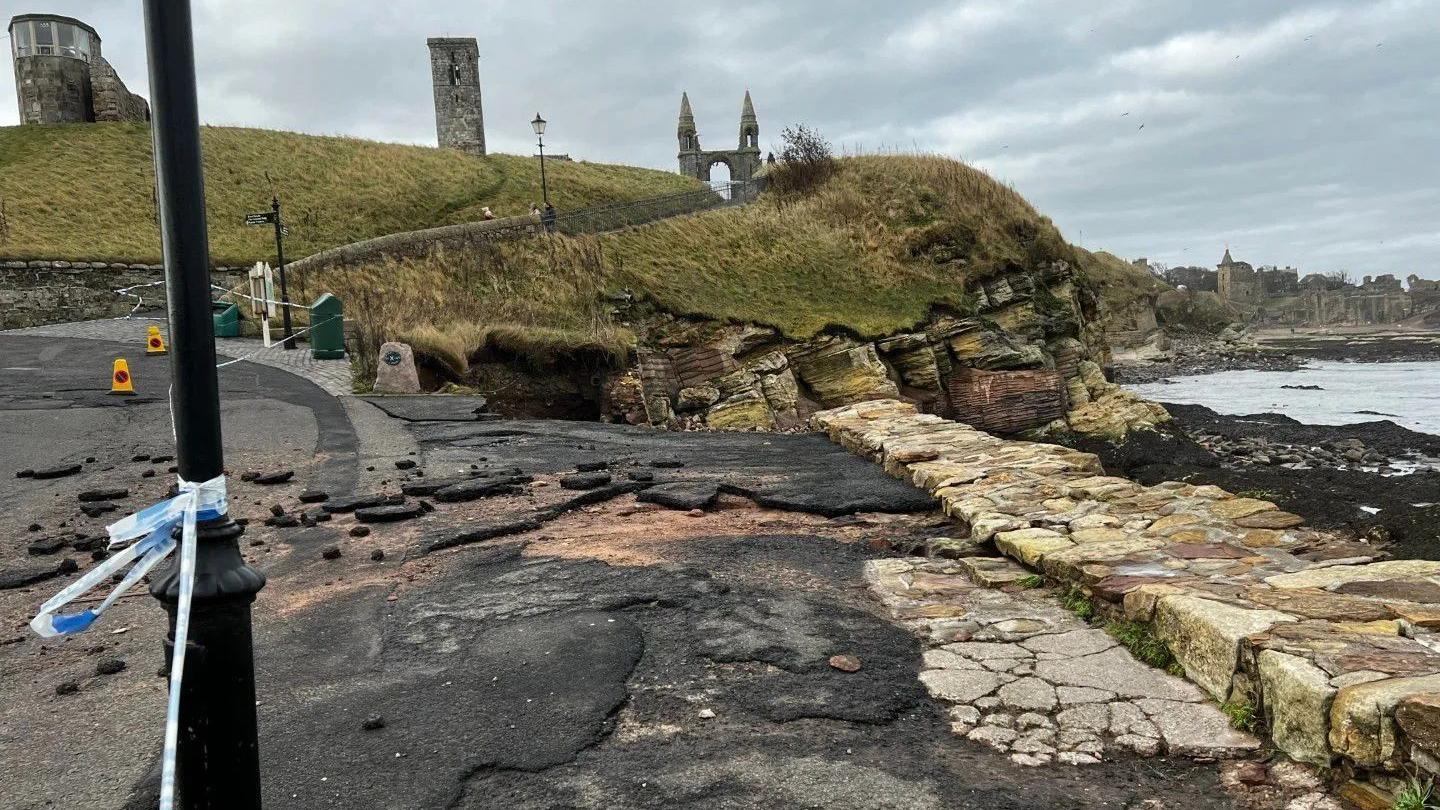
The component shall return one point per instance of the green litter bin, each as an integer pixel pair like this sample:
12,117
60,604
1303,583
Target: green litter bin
227,319
327,329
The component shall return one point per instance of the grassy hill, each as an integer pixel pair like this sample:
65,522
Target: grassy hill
85,191
872,251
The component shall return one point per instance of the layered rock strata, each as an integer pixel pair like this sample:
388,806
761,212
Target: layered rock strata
745,376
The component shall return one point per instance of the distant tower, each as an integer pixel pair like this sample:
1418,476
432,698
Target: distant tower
455,73
689,139
1225,278
743,161
749,127
60,76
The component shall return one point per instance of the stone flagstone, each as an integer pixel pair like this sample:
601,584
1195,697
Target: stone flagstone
1336,649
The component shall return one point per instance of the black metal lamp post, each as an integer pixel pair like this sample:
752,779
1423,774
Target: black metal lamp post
539,126
218,756
289,341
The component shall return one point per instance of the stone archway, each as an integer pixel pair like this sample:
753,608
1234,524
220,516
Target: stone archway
727,171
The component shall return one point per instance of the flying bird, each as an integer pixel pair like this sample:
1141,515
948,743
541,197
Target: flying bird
1142,126
1122,115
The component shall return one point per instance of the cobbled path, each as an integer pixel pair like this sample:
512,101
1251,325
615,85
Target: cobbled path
1028,678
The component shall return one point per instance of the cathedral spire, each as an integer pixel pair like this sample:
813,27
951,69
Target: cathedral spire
686,132
749,125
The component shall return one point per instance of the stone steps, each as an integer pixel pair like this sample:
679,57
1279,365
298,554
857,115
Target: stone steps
1305,628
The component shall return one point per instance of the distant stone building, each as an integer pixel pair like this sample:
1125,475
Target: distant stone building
1280,296
455,75
1424,295
61,76
743,161
1197,279
1279,281
1237,282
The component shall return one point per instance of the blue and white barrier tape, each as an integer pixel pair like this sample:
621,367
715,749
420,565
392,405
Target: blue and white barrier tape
147,536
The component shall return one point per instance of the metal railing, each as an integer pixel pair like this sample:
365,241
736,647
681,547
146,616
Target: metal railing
613,216
589,220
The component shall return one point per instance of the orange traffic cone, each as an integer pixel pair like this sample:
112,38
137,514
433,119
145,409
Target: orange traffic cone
120,382
154,342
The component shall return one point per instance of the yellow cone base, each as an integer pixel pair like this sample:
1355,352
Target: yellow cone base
121,383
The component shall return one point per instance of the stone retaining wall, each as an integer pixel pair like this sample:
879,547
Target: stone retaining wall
1334,650
34,293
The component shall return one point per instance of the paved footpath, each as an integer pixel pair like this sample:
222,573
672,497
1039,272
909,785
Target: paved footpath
331,375
1306,632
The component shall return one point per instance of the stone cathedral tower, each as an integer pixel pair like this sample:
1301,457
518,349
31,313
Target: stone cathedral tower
744,160
455,73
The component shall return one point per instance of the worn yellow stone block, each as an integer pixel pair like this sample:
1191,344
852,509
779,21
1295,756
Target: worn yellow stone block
1031,545
1171,521
1099,534
1139,604
1366,796
1379,627
1298,696
1205,637
1362,718
1239,507
1370,572
1262,538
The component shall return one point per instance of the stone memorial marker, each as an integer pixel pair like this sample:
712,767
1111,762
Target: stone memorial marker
396,370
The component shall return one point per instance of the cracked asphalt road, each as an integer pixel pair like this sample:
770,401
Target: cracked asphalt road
624,655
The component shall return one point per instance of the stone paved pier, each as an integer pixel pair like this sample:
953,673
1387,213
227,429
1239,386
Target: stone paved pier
1331,648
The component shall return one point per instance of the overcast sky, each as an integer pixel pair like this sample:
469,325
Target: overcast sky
1304,133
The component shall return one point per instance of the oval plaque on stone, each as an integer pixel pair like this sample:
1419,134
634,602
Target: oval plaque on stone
396,373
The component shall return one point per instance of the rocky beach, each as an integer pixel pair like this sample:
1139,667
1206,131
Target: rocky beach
1373,477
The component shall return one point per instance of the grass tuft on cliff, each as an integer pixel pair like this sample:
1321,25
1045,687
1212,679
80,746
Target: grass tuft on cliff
1119,283
872,252
85,191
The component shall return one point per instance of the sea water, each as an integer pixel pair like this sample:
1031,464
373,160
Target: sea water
1407,394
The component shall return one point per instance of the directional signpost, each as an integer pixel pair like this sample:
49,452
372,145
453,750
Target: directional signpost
272,217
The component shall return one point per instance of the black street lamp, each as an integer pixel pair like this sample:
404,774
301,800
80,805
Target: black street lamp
539,126
217,757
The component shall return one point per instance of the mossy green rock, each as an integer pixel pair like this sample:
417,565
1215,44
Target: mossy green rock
841,372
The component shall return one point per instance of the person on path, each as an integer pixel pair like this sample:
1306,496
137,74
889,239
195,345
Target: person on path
548,218
486,213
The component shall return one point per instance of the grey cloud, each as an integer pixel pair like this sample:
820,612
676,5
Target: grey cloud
1317,152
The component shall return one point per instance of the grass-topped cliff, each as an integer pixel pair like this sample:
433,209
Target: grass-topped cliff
873,251
85,191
